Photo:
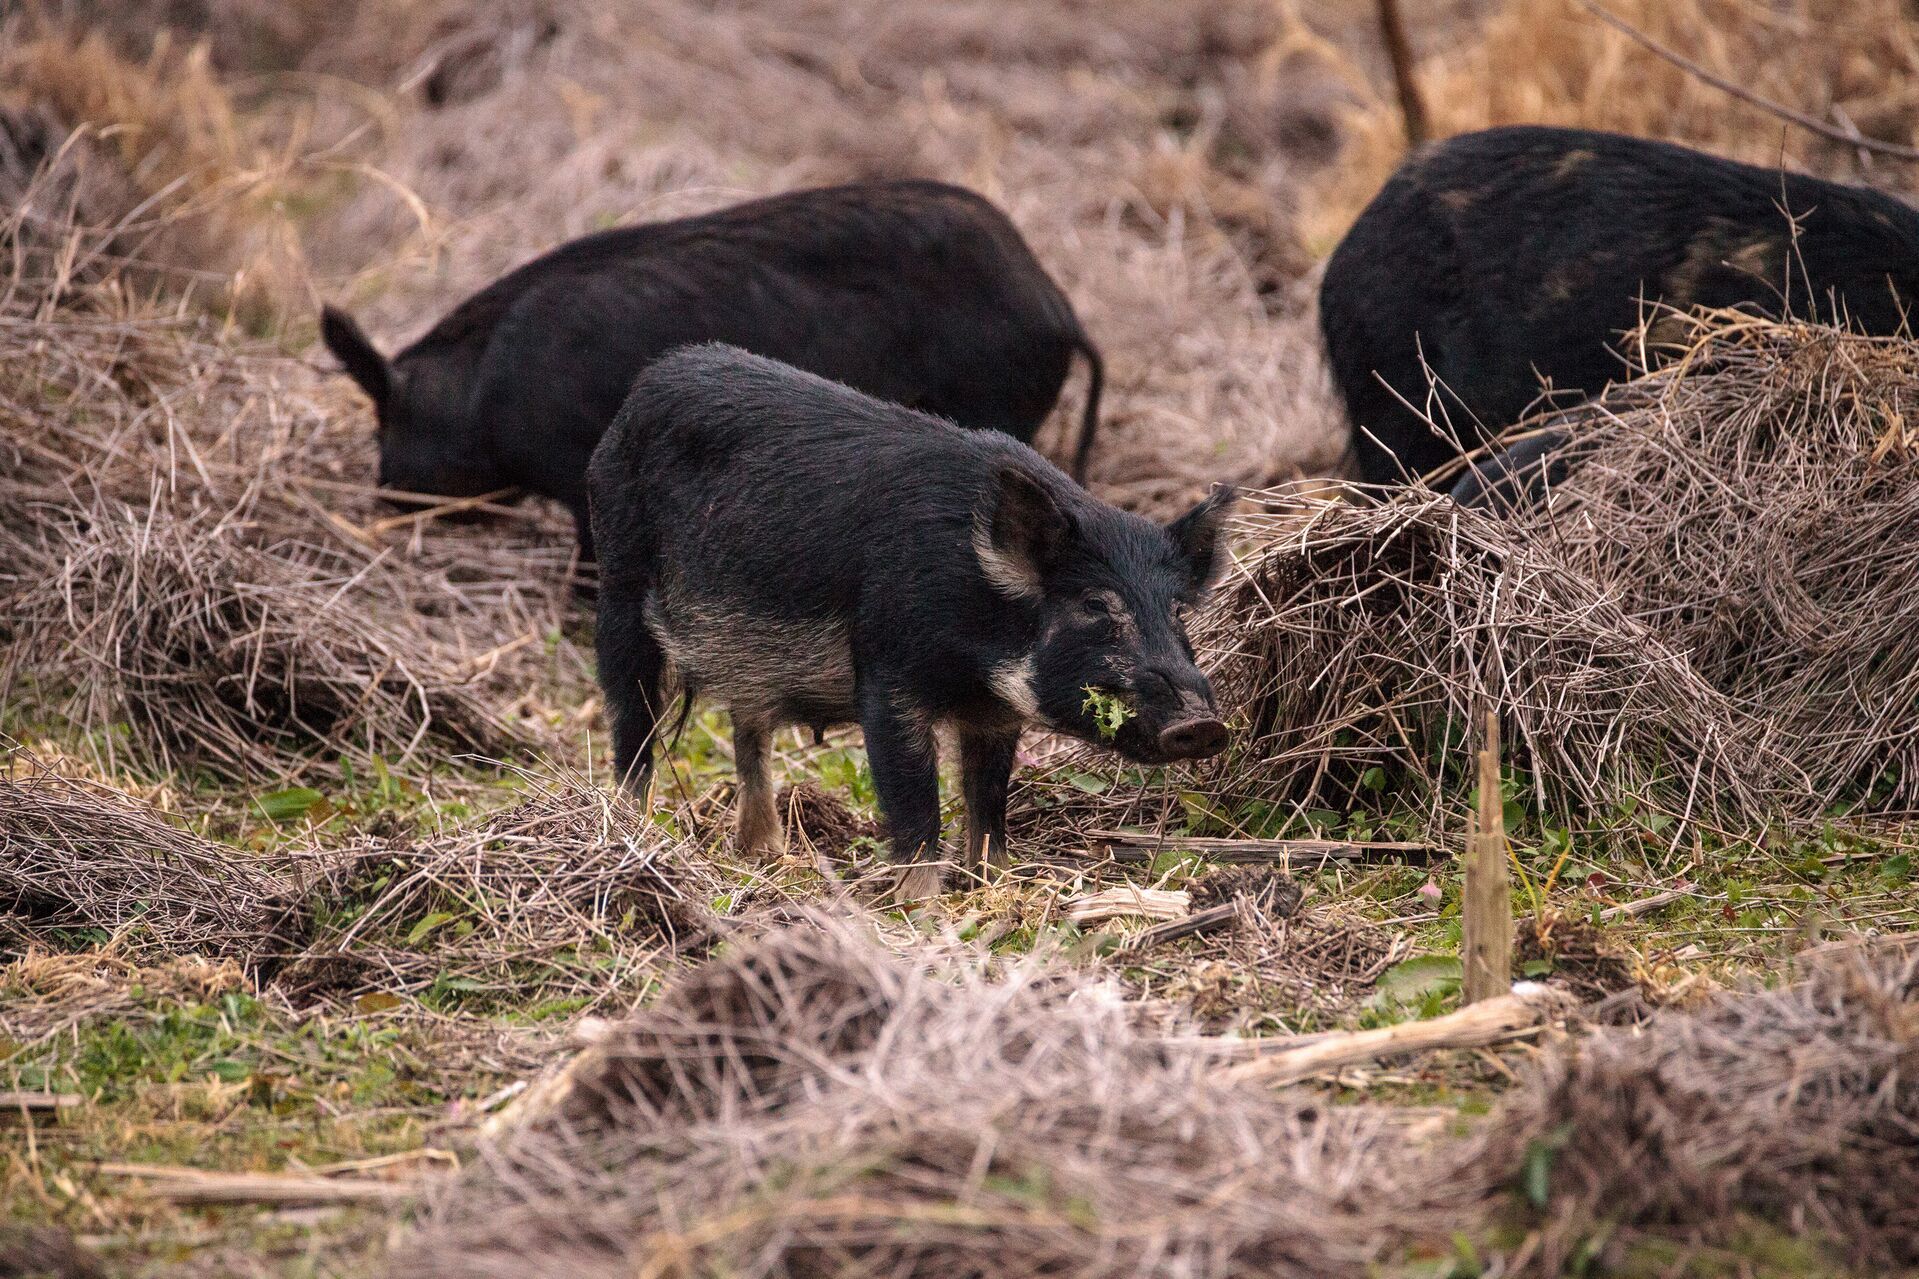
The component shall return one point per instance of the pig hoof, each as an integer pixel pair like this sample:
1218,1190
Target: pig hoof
916,883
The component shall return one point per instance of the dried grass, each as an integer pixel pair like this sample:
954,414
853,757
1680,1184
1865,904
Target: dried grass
573,893
1799,1106
1715,618
812,1104
80,857
190,546
1375,637
246,660
47,992
1317,961
137,171
1359,638
1757,507
1551,62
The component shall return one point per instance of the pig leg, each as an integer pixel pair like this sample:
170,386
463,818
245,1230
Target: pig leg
760,832
632,670
986,765
905,763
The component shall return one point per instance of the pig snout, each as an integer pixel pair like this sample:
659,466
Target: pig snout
1199,738
1176,717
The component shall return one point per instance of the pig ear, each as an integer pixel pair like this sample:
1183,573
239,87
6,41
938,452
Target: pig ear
364,363
1021,535
1197,535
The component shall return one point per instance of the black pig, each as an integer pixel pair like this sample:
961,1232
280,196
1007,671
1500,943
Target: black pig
1517,257
916,292
805,554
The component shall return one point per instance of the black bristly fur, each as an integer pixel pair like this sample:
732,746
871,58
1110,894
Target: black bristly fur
1520,254
916,292
806,554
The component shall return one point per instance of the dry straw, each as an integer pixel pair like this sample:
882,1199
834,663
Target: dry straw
1798,1106
573,892
244,659
189,550
77,857
1714,618
1756,506
812,1103
1355,647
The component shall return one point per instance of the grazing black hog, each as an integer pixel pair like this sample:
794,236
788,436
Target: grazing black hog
915,292
1517,257
804,554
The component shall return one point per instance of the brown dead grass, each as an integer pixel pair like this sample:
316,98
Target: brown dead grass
190,545
1756,506
78,858
1551,62
1799,1106
137,170
814,1103
572,892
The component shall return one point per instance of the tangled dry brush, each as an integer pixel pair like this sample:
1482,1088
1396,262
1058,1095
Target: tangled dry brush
1713,618
815,1103
189,548
572,892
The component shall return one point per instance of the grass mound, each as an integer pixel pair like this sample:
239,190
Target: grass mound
241,658
1757,507
192,555
811,1103
77,857
572,893
1800,1106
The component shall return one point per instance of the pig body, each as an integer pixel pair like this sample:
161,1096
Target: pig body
1514,259
916,292
802,553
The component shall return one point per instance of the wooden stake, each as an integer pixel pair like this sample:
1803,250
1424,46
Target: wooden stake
1487,909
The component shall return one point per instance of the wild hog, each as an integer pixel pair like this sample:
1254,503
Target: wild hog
804,554
1515,258
916,292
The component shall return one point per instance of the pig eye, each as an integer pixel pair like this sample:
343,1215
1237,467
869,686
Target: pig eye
1096,606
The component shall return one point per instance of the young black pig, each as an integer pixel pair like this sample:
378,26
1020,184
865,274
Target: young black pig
805,554
916,292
